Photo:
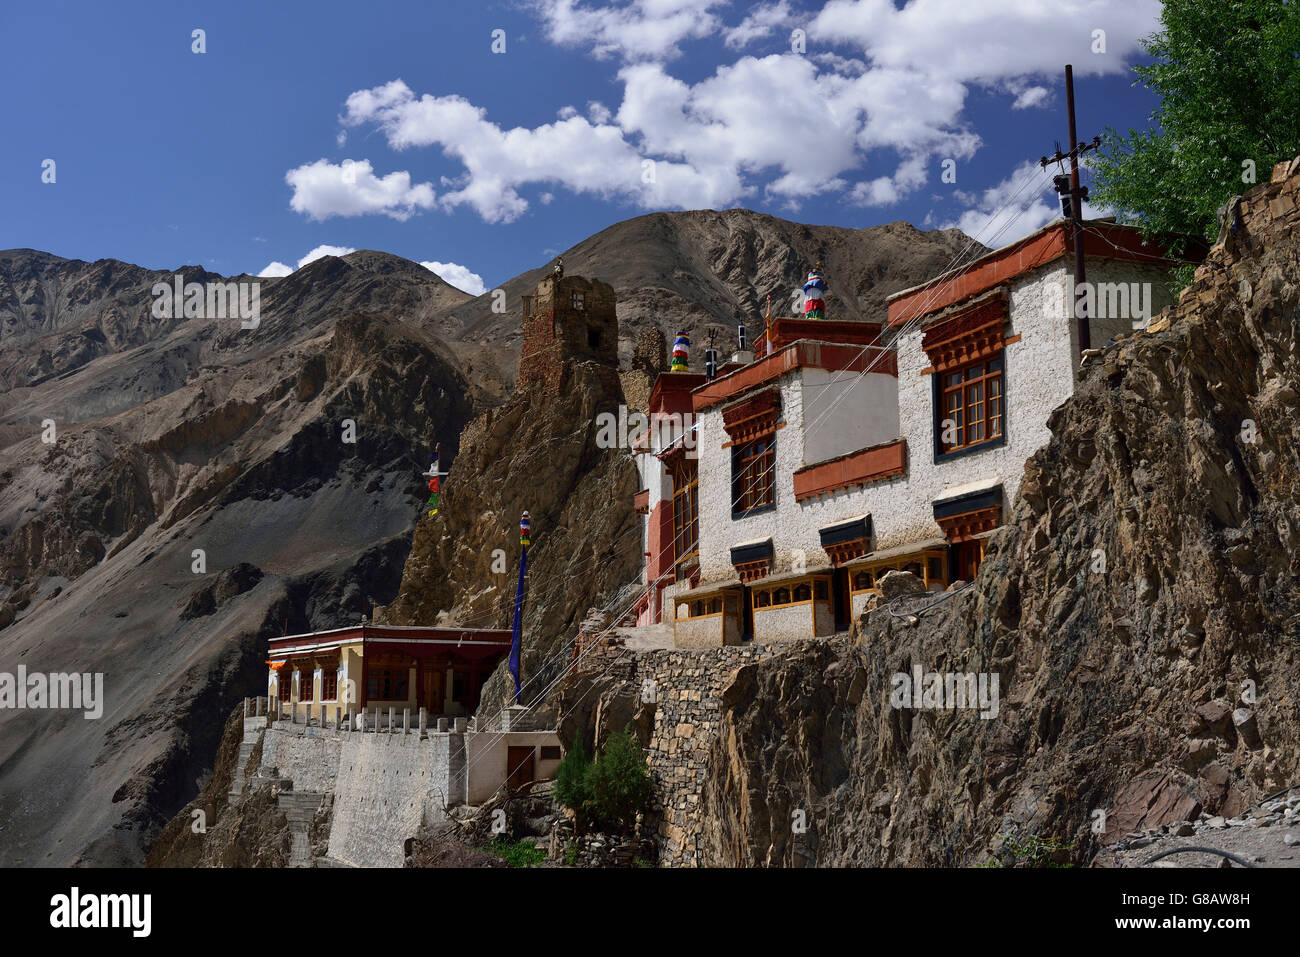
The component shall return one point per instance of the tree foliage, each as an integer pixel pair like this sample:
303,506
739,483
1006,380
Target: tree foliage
619,781
1228,76
610,790
571,779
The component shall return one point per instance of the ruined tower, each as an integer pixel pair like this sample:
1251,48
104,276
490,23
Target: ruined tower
566,318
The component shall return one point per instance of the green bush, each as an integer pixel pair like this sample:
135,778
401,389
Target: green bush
1031,851
571,779
517,853
618,782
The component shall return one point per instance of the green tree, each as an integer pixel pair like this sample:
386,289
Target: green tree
1228,76
571,779
619,782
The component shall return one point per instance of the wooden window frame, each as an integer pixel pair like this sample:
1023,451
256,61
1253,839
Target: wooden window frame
753,477
769,593
971,410
924,558
398,679
329,684
686,517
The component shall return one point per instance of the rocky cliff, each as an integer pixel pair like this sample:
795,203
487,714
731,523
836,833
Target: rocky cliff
538,453
1140,609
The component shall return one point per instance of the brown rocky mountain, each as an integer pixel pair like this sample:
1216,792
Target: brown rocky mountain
183,434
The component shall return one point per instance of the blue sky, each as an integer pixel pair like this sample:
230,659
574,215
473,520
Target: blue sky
395,126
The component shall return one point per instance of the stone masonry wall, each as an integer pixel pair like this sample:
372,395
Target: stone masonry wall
688,687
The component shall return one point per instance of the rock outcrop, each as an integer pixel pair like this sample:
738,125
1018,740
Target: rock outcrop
1142,594
537,453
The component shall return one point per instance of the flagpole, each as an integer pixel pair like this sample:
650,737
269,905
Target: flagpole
516,636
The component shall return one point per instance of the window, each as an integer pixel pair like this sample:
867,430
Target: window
934,569
864,580
971,405
387,685
283,683
593,339
753,476
686,516
550,752
579,301
329,685
781,596
305,688
762,599
528,306
803,592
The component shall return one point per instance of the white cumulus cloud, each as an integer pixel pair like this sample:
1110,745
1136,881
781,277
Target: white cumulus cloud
631,29
323,189
1024,201
871,110
458,276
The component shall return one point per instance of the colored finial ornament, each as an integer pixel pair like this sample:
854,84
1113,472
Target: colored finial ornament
814,293
525,530
681,353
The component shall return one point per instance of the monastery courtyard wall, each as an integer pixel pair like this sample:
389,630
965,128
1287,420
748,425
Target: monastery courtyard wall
384,785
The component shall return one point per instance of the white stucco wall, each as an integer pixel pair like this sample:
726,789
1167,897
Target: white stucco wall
785,623
486,759
1105,321
702,632
827,396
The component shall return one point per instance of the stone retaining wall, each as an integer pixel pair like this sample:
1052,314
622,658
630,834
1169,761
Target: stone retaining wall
688,685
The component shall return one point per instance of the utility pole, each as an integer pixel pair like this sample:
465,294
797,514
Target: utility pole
1074,212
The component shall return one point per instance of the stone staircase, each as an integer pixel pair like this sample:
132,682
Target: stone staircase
299,807
238,780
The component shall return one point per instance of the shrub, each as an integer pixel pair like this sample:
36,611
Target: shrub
571,779
517,853
618,782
